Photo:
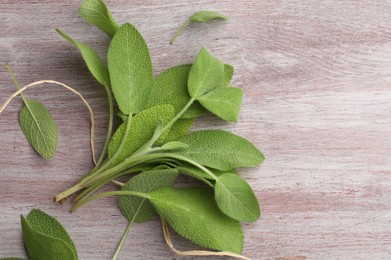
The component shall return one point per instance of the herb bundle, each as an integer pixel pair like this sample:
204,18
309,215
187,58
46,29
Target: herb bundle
153,144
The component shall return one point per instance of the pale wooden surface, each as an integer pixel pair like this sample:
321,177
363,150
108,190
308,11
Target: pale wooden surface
317,78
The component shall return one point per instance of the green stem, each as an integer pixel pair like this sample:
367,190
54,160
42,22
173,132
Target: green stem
110,128
179,31
124,236
184,109
16,83
111,193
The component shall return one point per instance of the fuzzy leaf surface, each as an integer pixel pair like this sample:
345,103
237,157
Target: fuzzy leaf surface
97,13
141,130
236,198
130,69
170,87
45,238
179,129
95,64
138,209
223,102
39,128
220,150
193,213
206,74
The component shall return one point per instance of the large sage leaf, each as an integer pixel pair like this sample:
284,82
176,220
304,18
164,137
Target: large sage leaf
136,209
39,128
220,150
141,129
223,102
207,73
236,198
45,238
193,213
95,64
96,13
130,69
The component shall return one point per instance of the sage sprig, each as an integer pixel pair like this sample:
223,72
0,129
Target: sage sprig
153,144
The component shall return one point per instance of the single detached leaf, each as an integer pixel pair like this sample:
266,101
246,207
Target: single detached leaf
46,239
141,130
130,69
180,128
95,64
223,102
200,17
220,150
206,15
170,87
136,209
193,213
206,74
96,13
236,199
39,128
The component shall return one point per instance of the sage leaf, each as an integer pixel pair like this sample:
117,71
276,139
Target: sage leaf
141,130
170,87
193,213
136,209
236,199
179,129
199,17
220,150
223,102
207,73
39,128
45,238
130,69
228,74
97,13
95,64
174,145
197,173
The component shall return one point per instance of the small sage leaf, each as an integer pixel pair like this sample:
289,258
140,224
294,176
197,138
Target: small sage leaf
193,213
206,74
141,129
170,87
39,128
97,13
174,145
236,199
223,102
180,128
136,209
45,238
95,64
199,17
220,150
130,69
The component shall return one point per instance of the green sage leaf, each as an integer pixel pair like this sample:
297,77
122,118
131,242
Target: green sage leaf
199,17
97,13
223,102
179,129
130,69
236,199
193,213
45,238
39,128
220,150
141,130
95,64
170,87
136,209
206,74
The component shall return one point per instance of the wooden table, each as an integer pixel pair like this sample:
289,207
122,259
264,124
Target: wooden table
317,82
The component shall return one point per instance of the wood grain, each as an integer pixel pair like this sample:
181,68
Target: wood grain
317,78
